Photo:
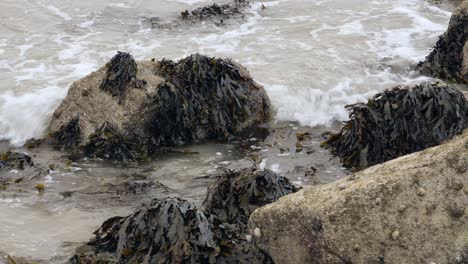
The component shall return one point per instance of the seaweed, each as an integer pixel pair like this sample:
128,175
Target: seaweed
398,122
121,71
203,98
15,160
446,59
215,10
109,143
167,231
176,231
236,194
68,135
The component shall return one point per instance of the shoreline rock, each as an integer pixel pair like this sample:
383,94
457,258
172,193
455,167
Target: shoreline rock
407,210
130,110
449,58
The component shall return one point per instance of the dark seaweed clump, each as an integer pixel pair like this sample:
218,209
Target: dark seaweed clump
15,160
109,143
400,121
166,231
446,59
121,71
175,231
224,11
203,98
236,194
68,136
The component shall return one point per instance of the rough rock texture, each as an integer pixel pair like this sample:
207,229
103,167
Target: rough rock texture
175,231
138,107
409,210
400,121
14,160
449,59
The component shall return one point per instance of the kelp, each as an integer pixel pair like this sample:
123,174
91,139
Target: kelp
215,10
175,231
108,142
121,72
68,136
398,122
15,160
167,231
203,98
236,194
446,59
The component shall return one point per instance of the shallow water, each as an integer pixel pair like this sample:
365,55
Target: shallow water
313,57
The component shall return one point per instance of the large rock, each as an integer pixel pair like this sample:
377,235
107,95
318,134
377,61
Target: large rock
176,231
129,110
398,122
449,58
409,210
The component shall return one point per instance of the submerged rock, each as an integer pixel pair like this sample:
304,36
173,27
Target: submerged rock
365,222
176,231
400,121
224,11
449,58
130,110
15,160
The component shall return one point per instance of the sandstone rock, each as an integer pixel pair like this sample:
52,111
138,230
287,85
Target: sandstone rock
323,224
136,108
449,58
400,121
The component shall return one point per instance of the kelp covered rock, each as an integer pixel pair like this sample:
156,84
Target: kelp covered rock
236,194
15,160
449,58
223,11
400,121
143,106
175,231
167,231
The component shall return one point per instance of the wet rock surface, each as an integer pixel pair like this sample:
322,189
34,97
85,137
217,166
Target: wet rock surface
449,58
399,121
172,230
174,103
380,217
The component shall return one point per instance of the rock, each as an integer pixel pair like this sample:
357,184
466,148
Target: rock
176,231
322,224
449,58
224,11
132,109
395,235
14,160
426,115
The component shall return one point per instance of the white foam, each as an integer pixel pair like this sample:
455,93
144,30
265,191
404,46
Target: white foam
59,13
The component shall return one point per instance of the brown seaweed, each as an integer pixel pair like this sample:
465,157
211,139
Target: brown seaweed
446,59
236,194
203,98
223,11
15,160
68,136
398,122
175,231
121,71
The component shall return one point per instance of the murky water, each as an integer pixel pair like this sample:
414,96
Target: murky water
313,57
